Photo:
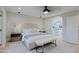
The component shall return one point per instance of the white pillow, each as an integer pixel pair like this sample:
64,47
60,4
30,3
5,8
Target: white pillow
27,31
17,31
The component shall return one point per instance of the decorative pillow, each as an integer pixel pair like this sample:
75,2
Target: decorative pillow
27,31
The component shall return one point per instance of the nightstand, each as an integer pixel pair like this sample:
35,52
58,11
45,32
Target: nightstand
15,37
42,31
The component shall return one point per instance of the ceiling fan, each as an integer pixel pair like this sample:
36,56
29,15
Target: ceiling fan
46,10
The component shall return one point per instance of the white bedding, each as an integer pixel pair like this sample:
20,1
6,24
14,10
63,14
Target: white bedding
34,38
31,40
44,40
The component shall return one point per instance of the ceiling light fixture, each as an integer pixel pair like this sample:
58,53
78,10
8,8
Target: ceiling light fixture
46,10
19,8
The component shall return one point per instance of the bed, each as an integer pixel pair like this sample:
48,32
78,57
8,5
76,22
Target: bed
36,39
31,36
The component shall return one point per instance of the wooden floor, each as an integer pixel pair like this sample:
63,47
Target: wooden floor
77,49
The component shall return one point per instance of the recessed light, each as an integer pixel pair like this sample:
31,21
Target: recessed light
19,8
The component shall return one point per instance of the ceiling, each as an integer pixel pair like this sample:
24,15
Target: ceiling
37,11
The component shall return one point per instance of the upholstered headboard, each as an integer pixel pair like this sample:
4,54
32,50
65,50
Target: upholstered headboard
29,26
19,27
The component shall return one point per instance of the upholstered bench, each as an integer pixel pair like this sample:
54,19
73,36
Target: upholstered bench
42,43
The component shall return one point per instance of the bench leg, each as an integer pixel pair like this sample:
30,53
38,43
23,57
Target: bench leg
42,47
36,49
55,43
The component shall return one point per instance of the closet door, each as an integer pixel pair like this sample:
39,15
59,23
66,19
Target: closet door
0,29
71,29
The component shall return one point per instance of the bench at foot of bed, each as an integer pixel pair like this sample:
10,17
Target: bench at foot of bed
43,46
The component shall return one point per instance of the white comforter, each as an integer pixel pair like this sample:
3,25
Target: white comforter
33,41
44,40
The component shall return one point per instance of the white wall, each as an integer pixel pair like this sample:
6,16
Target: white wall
13,19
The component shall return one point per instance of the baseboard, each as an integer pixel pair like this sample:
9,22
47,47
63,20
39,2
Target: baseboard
70,42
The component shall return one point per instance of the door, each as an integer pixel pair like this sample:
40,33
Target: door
71,29
0,29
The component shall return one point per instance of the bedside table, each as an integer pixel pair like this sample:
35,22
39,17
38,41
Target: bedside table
15,37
